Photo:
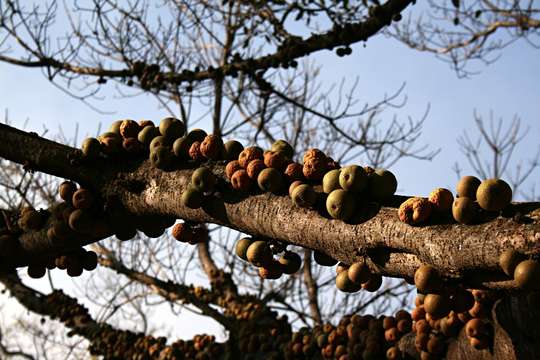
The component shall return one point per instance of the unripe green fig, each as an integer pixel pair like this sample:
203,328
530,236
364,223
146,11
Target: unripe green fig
381,184
242,246
290,262
115,127
438,306
181,147
232,148
157,142
191,198
358,273
527,275
344,284
91,147
467,186
259,253
172,128
304,196
464,210
203,180
197,135
270,180
427,279
323,259
494,194
509,260
330,181
161,157
340,204
147,134
283,147
353,178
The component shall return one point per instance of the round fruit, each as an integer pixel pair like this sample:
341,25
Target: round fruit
259,253
241,181
330,181
359,273
197,135
527,275
373,284
161,157
294,172
66,190
414,210
293,186
323,259
158,141
89,261
111,145
36,271
438,306
441,199
249,154
274,159
340,204
290,262
270,180
304,196
475,328
145,123
314,168
191,198
283,147
194,151
231,168
242,246
467,186
271,271
232,149
182,232
344,284
132,146
172,128
494,194
147,134
212,147
353,178
381,184
464,210
427,279
81,221
254,168
82,199
181,147
91,148
115,127
129,129
509,259
203,180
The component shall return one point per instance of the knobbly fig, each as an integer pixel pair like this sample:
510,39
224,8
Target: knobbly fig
195,151
359,273
191,198
427,279
147,134
172,128
314,168
414,210
527,275
161,157
353,178
493,194
129,129
203,180
330,181
182,232
254,168
467,186
323,259
81,221
231,168
248,154
232,149
344,284
82,199
270,180
304,196
259,253
464,210
241,181
293,186
276,160
91,147
382,183
212,147
283,147
66,190
242,246
508,261
294,172
441,199
157,142
340,204
314,154
290,262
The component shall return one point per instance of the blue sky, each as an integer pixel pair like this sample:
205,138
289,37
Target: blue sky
508,87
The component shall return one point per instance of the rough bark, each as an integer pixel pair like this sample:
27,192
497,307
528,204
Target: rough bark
468,253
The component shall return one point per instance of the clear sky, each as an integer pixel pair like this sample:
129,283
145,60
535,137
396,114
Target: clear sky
508,87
